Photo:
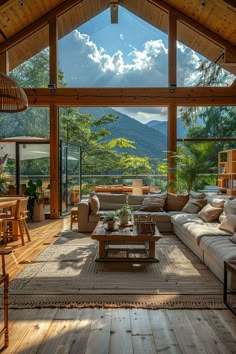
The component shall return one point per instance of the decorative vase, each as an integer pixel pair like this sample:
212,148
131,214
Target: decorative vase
111,225
124,219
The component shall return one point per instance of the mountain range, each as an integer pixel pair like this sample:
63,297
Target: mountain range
149,140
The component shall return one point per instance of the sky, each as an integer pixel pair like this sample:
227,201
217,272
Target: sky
131,53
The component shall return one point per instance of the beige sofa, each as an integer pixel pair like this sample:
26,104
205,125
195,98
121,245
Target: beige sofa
210,243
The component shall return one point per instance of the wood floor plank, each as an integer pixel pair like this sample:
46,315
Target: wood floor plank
143,344
188,340
140,324
98,341
206,333
225,329
37,331
80,334
163,333
120,338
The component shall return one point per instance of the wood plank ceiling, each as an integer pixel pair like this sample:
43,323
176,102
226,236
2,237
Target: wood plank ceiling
215,19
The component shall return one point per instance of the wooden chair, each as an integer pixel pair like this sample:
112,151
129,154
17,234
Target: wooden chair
4,280
16,224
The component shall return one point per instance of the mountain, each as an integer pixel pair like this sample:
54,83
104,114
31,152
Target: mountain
148,141
161,126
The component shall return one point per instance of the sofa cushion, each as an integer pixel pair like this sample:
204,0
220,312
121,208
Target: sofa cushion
160,216
197,195
176,201
233,238
209,213
135,201
219,248
153,200
111,201
151,207
94,204
185,218
229,223
217,202
230,207
193,206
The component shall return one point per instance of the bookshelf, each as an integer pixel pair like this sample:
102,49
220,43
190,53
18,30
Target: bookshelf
227,172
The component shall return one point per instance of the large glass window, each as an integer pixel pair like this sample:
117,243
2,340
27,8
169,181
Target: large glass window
118,144
29,64
131,53
34,122
197,59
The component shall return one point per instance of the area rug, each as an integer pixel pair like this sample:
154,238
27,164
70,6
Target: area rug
66,275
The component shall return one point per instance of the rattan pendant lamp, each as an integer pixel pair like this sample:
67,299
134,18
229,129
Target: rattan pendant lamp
12,96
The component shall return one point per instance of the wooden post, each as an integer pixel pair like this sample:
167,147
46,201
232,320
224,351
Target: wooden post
53,50
172,111
4,62
54,163
172,140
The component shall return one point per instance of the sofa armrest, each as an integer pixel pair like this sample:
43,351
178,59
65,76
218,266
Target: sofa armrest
83,213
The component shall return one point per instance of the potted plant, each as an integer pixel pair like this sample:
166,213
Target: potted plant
35,203
111,218
125,212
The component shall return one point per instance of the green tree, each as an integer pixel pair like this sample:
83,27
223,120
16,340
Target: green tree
191,161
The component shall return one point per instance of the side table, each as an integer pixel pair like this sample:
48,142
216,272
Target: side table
229,267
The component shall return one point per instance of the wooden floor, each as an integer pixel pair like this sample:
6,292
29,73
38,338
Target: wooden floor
112,331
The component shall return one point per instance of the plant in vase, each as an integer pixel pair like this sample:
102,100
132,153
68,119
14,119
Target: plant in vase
125,213
35,203
111,218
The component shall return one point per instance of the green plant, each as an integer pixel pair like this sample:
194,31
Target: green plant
111,216
125,210
4,183
34,192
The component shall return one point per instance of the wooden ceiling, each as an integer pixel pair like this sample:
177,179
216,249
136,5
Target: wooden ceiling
208,27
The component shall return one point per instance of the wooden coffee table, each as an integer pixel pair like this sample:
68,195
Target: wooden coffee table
113,245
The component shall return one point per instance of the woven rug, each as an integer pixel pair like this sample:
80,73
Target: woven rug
66,275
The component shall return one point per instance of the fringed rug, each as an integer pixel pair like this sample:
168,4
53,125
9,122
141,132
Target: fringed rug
66,275
118,301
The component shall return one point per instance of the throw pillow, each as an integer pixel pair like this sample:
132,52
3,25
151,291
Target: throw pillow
176,202
94,204
197,195
151,207
193,206
153,201
209,213
233,238
217,202
229,223
230,207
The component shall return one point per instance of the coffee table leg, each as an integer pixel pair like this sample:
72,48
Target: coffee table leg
102,250
151,249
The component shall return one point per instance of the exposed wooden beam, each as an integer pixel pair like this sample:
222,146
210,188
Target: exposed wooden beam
2,2
109,97
42,21
232,3
53,48
172,38
114,11
195,25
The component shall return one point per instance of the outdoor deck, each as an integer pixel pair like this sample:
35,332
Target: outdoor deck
106,330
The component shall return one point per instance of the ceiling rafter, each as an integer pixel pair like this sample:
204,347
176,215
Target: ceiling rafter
195,25
39,23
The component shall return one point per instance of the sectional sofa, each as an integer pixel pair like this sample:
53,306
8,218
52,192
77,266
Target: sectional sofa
204,223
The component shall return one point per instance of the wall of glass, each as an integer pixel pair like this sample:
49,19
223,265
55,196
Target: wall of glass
131,53
118,144
32,123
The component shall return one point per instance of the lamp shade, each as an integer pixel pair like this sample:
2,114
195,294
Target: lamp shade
12,97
